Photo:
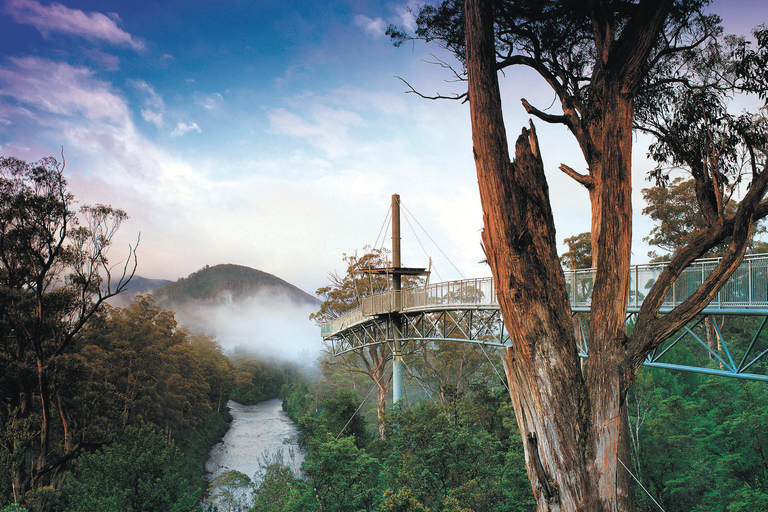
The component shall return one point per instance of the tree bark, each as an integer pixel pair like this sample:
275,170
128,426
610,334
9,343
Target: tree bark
571,423
542,363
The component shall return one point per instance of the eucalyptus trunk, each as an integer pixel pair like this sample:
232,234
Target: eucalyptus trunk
571,421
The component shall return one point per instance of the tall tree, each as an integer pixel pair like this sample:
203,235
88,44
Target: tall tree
579,254
600,58
346,292
54,276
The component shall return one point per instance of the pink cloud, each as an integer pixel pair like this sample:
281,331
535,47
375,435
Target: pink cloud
93,26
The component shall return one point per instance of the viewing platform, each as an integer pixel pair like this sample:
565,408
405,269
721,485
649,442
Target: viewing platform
746,292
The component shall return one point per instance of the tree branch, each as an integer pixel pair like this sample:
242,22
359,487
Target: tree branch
549,118
585,180
437,96
651,330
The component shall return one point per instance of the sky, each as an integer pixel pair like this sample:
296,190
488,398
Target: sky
270,134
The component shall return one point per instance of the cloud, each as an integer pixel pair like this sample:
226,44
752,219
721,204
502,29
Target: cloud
153,105
184,128
93,26
213,101
323,127
103,60
61,89
372,27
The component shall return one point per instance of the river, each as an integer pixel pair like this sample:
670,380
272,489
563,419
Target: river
257,432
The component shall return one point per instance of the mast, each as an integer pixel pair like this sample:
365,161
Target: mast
397,358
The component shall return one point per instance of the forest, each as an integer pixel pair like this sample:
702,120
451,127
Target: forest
116,409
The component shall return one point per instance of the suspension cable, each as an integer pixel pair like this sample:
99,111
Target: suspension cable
640,484
420,244
383,225
433,241
503,381
376,383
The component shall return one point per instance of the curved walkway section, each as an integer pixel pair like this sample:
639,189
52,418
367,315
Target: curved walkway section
746,292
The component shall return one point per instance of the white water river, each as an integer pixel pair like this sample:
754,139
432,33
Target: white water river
257,432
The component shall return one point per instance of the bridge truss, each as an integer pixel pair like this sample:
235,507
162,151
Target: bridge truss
467,311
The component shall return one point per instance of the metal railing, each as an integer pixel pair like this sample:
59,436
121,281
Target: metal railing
746,288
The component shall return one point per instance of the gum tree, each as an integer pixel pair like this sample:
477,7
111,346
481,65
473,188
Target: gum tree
605,61
54,276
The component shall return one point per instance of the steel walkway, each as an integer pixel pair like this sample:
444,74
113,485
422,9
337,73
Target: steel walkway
467,311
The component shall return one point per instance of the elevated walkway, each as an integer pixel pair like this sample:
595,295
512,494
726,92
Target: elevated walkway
467,311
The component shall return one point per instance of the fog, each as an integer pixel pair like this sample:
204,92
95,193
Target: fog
268,324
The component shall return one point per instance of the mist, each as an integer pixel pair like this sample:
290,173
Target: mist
268,324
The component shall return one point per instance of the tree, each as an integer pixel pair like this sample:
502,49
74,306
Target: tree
605,62
139,473
579,253
231,490
345,293
54,276
678,219
674,208
278,487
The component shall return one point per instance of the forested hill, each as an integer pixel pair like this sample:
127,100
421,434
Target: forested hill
237,281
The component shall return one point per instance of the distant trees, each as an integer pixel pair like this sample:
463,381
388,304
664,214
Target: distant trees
54,276
678,219
579,254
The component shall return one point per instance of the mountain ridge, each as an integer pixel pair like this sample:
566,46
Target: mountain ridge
212,282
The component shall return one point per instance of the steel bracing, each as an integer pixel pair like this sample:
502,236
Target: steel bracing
467,311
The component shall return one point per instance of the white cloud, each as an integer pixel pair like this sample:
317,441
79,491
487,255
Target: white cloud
153,105
213,101
61,89
323,127
93,26
184,128
372,27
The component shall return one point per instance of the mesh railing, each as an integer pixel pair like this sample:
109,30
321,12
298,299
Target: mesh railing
747,287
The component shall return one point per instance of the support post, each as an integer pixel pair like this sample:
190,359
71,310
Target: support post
397,358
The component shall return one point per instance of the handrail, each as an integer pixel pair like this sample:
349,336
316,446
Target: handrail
746,288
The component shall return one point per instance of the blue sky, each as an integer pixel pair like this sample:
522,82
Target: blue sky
264,133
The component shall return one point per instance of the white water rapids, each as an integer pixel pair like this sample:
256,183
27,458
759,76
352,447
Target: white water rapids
257,433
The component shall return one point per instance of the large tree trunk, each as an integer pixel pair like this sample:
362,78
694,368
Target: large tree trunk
571,424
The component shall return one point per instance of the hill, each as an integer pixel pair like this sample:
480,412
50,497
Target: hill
232,281
143,285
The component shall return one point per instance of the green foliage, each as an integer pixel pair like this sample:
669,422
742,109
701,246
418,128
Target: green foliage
463,455
579,254
138,473
701,442
338,418
13,507
231,491
448,459
401,501
278,488
257,379
342,476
